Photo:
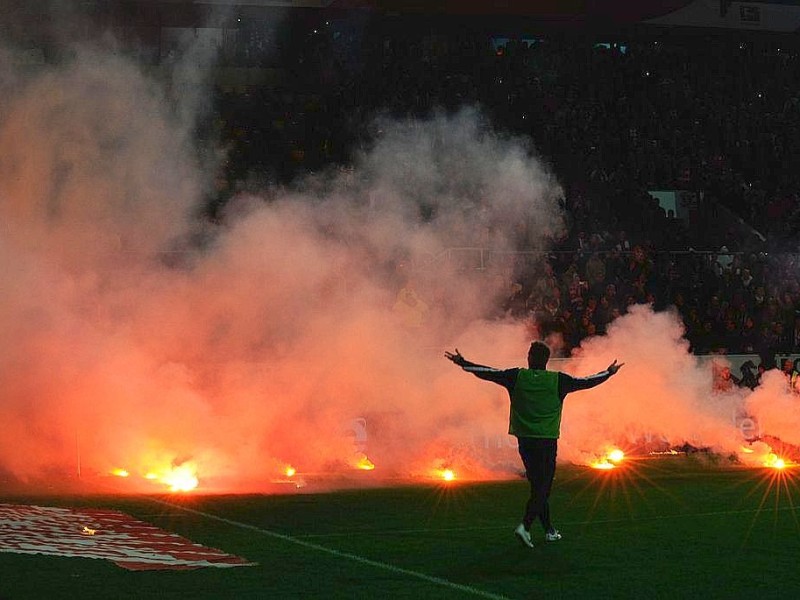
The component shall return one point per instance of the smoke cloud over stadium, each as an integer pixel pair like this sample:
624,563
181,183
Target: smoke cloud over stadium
307,328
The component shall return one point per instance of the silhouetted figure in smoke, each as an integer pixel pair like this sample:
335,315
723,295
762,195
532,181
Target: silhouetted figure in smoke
537,398
794,379
723,379
749,378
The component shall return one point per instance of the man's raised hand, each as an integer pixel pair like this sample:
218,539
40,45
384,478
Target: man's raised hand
612,368
455,357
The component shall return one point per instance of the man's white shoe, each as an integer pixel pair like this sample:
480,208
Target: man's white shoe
552,536
523,535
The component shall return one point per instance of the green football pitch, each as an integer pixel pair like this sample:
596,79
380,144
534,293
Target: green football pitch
677,527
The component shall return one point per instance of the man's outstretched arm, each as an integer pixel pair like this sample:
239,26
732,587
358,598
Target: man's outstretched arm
568,383
506,378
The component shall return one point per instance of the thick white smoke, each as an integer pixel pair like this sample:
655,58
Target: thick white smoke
305,311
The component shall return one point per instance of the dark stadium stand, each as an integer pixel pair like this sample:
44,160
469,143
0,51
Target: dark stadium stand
620,107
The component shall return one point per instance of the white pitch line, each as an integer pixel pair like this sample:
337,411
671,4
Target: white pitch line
339,554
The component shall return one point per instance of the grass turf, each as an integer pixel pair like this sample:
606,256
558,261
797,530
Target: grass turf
681,527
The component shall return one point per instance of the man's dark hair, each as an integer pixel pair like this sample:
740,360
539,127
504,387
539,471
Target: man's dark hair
538,355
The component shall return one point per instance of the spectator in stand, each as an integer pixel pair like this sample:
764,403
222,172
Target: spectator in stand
746,279
780,336
595,273
576,290
731,336
623,243
723,380
795,377
796,334
787,368
749,377
602,315
611,296
514,300
747,338
761,369
787,305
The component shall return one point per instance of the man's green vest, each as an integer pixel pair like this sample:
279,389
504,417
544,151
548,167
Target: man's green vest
535,405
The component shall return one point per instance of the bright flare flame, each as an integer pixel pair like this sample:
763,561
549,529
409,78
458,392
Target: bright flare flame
611,459
448,475
180,479
120,473
774,461
290,471
616,455
364,463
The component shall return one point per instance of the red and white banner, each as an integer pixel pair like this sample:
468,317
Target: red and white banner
106,534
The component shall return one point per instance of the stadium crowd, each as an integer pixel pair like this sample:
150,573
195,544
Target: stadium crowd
714,117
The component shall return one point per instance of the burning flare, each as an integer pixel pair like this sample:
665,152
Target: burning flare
364,463
447,474
616,455
774,461
609,460
181,478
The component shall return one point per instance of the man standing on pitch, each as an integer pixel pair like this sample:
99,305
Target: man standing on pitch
537,397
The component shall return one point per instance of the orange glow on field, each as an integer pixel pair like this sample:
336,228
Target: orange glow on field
602,464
